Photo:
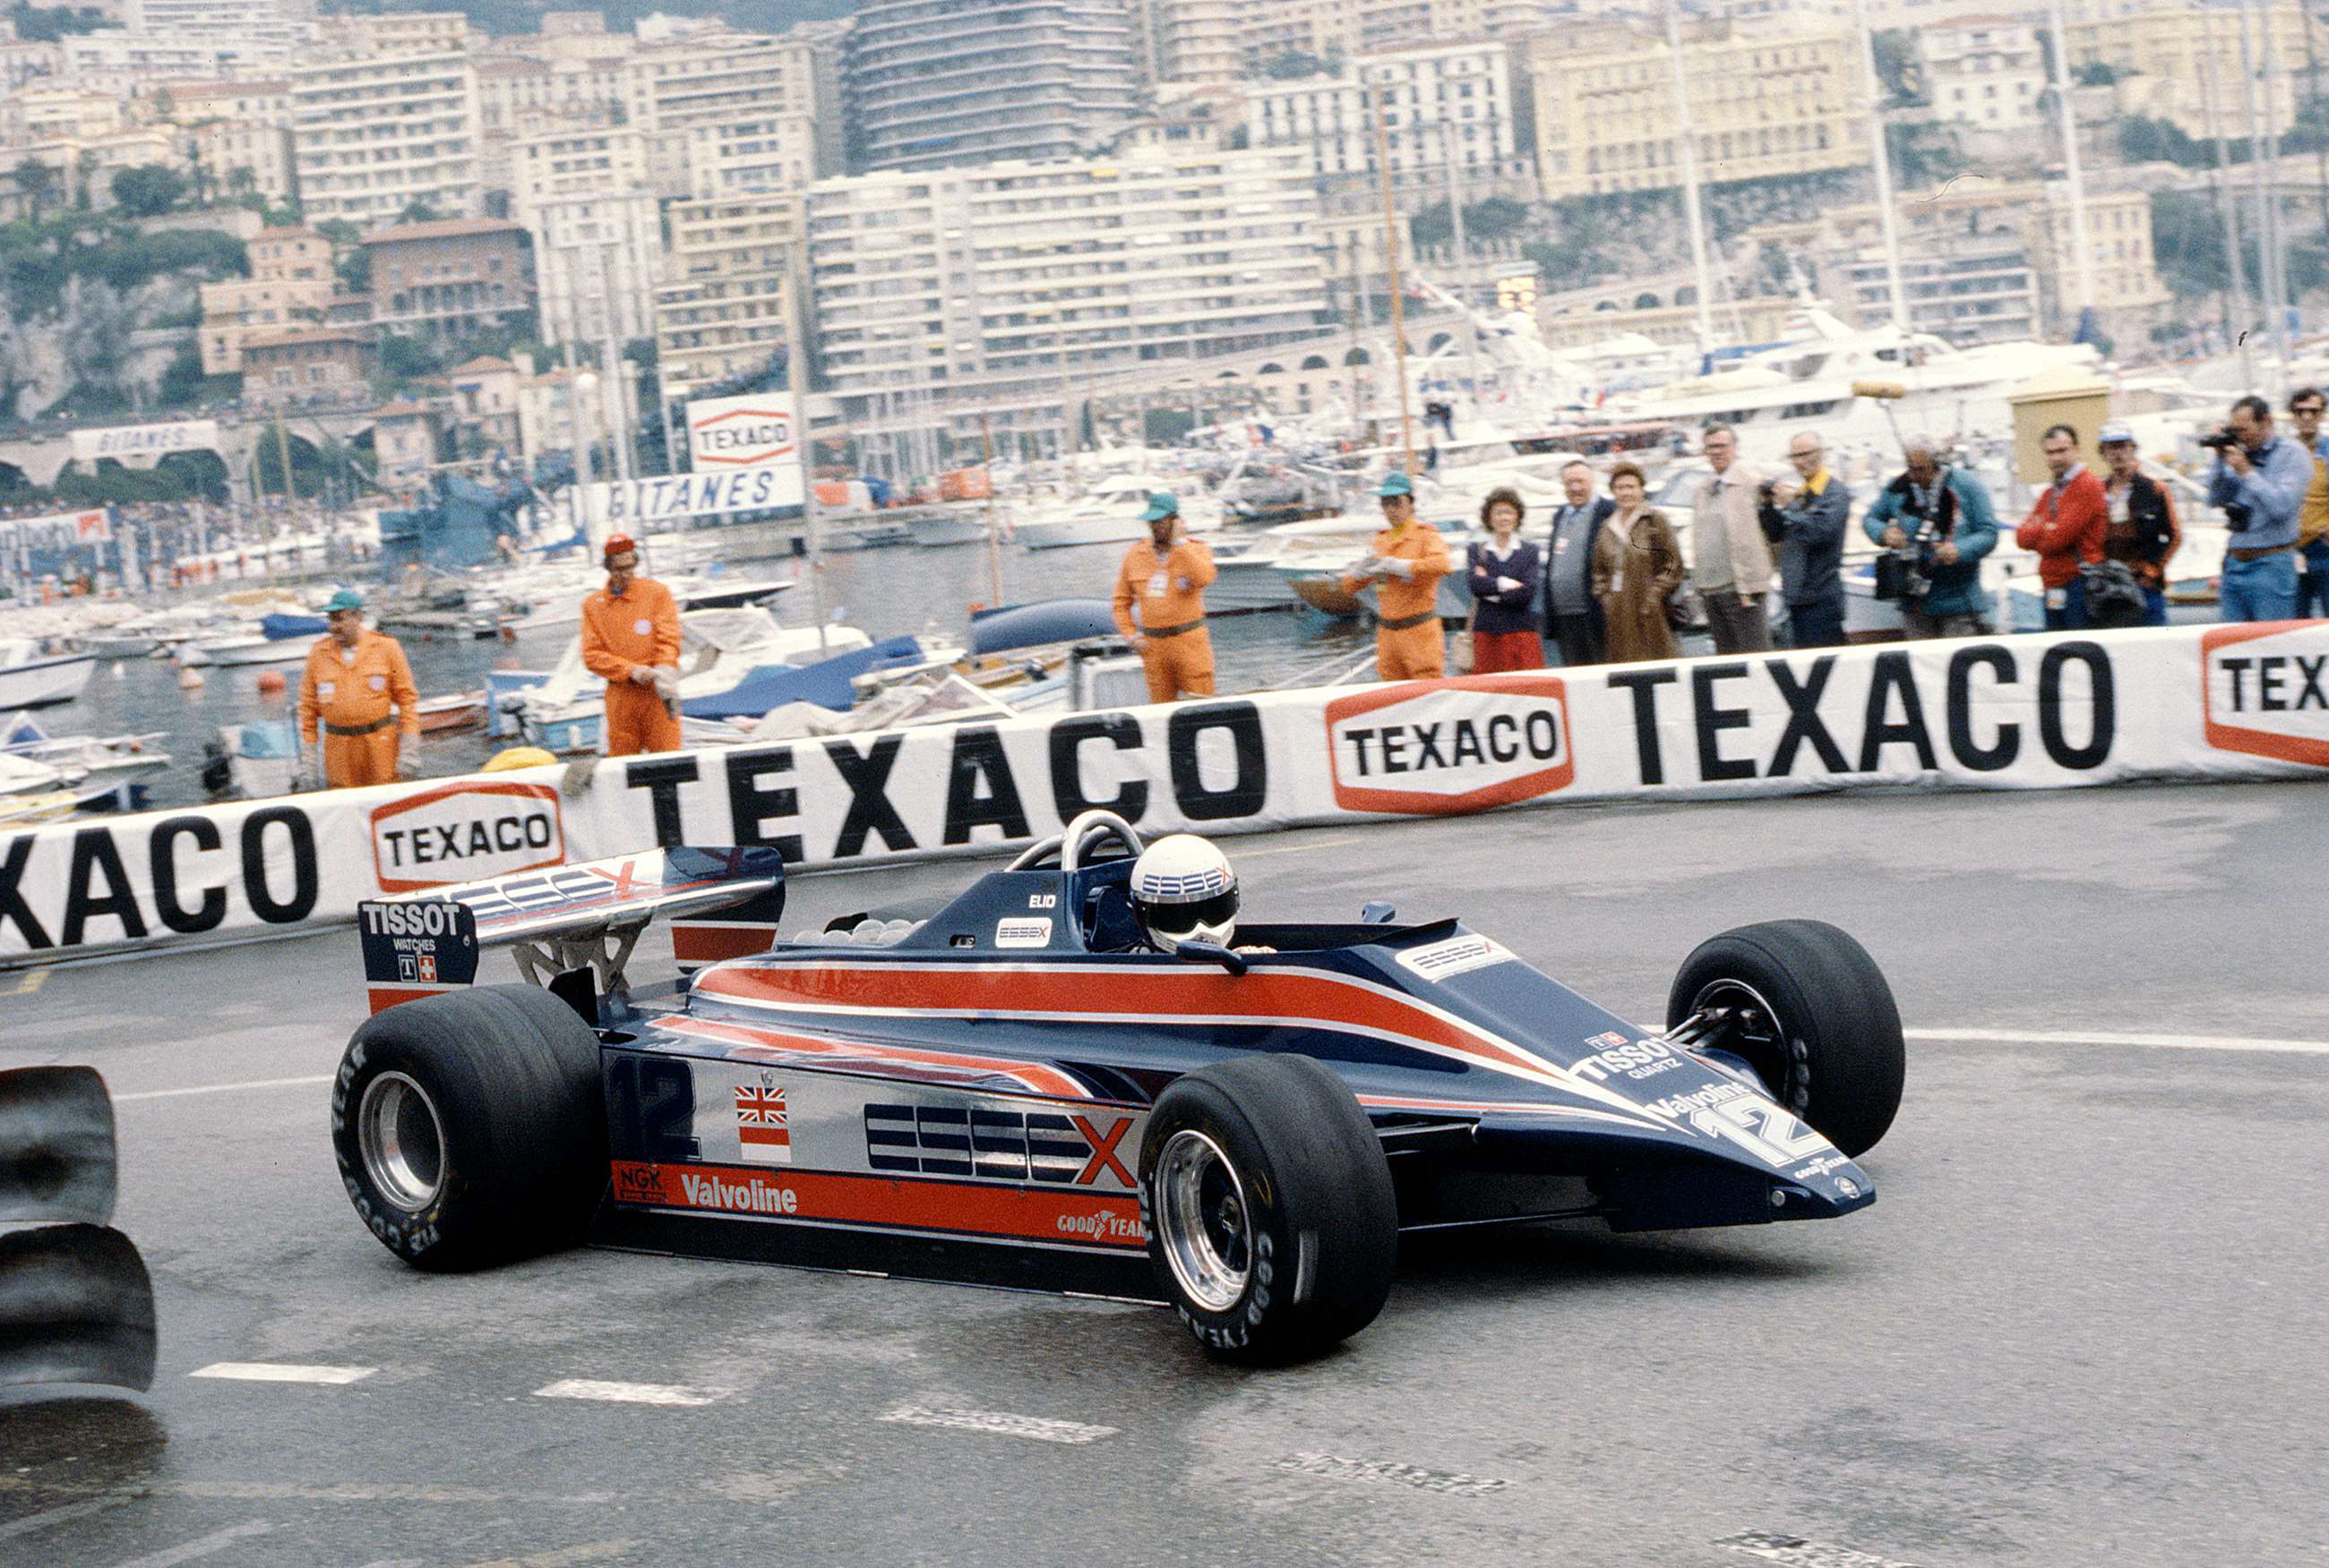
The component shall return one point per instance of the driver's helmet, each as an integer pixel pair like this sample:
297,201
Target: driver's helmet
1184,890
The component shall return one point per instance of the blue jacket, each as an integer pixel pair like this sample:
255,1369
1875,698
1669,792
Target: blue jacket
2272,492
1967,521
1498,610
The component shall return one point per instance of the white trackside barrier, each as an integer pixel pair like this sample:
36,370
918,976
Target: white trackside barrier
2022,712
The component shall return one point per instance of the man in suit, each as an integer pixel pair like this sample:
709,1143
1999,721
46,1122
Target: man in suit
1573,616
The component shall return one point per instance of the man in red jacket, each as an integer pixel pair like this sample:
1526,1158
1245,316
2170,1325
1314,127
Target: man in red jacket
2065,530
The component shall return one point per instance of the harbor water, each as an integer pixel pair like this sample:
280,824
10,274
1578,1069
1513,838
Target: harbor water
925,592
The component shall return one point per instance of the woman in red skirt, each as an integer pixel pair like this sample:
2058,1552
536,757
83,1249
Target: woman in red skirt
1505,572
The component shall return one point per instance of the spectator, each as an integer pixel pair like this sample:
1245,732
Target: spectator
2065,530
1733,565
2141,530
1504,571
1805,519
2305,407
1636,568
2259,482
1573,615
1939,516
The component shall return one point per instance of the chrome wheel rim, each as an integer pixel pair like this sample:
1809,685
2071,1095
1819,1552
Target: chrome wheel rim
1202,1223
402,1141
1757,1035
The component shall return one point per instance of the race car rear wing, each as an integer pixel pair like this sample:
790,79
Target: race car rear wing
722,903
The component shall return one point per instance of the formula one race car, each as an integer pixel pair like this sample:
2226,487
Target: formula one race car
1014,1090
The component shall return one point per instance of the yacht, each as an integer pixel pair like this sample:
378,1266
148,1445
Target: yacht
33,674
1806,381
1110,513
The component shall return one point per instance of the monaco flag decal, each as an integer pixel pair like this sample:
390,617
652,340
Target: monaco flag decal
761,1125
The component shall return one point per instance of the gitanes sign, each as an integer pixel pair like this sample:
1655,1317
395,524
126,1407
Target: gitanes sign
624,505
147,441
724,434
2024,712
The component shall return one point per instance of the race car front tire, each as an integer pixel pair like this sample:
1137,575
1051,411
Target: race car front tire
1272,1224
470,1126
1832,1050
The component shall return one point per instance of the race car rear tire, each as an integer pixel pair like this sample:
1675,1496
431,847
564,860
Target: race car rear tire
1272,1225
470,1126
1835,1058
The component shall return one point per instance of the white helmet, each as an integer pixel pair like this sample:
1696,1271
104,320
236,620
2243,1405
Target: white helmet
1183,891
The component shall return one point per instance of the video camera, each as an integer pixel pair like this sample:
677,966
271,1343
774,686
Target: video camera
2218,440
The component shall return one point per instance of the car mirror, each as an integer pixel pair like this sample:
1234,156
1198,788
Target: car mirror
1211,952
1377,913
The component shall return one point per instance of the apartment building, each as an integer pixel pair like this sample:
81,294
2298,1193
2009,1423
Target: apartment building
774,154
302,367
1761,102
1969,290
724,79
129,62
266,98
587,196
268,22
1443,106
373,135
2181,63
731,299
953,289
940,83
289,288
1984,73
1198,41
233,156
450,278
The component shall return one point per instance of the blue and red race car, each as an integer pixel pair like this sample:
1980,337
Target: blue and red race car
1013,1090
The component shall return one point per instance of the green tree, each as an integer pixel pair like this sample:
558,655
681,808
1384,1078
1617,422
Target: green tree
148,189
418,212
1293,65
2188,243
1923,152
1898,70
36,179
350,260
2142,140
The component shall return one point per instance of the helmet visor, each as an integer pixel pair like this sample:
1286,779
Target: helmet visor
1181,920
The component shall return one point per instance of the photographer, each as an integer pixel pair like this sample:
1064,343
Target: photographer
1938,523
2065,530
1806,519
2258,483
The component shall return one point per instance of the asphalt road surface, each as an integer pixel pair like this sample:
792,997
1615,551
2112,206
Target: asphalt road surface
2082,1325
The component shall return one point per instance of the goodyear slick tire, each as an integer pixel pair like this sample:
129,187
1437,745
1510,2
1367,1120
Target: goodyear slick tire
512,1075
1845,1059
1323,1216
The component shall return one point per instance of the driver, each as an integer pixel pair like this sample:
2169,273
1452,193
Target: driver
1185,890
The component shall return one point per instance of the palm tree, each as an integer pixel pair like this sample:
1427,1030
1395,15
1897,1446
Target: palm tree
36,179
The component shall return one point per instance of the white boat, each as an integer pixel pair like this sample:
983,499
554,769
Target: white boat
948,526
1110,513
119,642
1805,382
32,677
246,648
101,761
22,776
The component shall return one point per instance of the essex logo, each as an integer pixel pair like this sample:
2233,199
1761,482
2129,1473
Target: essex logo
2264,690
466,833
1428,747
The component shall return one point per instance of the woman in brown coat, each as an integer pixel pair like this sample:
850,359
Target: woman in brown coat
1636,563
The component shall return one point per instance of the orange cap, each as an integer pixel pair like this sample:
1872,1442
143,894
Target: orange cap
619,544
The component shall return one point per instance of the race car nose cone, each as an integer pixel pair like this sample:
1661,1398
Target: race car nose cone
1822,1196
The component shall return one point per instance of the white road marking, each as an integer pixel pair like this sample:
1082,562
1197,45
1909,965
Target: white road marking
1001,1423
1449,1483
281,1372
208,1546
2114,1037
565,1556
31,1523
1773,1547
1298,848
630,1392
222,1088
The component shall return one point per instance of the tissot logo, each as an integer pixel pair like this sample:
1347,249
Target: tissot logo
1451,745
466,832
2265,690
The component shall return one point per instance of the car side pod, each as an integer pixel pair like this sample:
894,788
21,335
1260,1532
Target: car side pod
76,1302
